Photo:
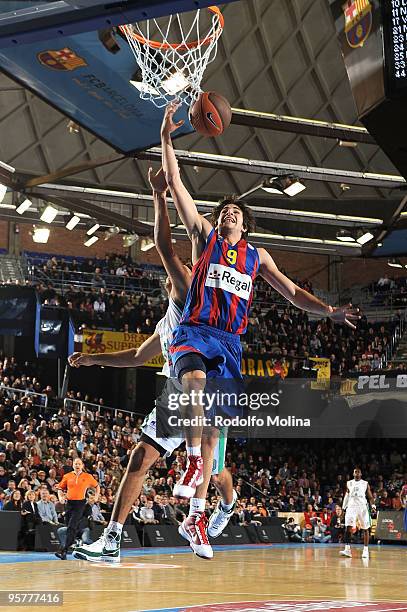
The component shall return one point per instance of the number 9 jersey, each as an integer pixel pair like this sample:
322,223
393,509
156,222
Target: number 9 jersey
221,290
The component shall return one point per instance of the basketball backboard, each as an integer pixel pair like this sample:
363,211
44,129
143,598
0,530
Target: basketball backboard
54,50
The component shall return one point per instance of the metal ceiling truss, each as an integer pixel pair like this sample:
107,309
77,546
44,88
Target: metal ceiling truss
102,215
253,166
298,125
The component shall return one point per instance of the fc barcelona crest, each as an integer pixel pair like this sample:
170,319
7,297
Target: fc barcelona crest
64,59
358,21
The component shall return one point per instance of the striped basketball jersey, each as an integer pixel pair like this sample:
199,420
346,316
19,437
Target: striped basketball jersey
221,290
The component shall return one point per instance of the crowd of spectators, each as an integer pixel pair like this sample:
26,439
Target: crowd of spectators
106,309
389,292
38,445
289,334
91,290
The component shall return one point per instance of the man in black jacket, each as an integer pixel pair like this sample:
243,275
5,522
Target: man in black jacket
337,525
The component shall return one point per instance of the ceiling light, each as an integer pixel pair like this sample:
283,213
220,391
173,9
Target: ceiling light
49,214
345,236
145,88
146,244
73,222
380,244
137,82
25,205
111,231
347,143
73,127
287,185
364,238
91,241
175,83
129,240
394,263
41,234
93,229
3,190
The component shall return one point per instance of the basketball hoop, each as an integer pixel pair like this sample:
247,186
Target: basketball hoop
173,69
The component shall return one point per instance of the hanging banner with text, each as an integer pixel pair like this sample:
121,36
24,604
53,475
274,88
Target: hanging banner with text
100,341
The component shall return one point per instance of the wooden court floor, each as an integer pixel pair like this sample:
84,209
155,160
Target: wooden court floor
280,573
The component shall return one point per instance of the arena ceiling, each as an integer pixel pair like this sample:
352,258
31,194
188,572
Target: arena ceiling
274,57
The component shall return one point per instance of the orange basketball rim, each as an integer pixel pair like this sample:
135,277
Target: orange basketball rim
154,44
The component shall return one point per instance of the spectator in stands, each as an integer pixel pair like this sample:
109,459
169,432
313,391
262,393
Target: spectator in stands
168,516
385,501
292,530
3,478
96,513
147,514
337,525
396,501
46,508
136,512
7,434
14,503
11,487
31,518
320,534
51,480
148,487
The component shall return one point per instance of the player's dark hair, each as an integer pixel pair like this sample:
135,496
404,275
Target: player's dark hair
249,221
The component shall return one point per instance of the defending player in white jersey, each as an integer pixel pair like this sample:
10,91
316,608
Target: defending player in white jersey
151,447
356,503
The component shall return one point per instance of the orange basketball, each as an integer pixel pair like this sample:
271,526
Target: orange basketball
210,114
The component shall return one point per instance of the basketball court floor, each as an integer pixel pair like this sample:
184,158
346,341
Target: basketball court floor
285,577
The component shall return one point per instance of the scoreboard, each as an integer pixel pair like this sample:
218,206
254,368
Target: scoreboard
373,39
394,13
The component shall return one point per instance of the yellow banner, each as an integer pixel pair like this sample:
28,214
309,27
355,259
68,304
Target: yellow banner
348,386
323,368
97,341
263,366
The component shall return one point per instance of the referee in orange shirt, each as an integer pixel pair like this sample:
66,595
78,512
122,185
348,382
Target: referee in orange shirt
75,484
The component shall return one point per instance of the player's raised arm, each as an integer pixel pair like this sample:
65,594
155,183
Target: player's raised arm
301,298
197,226
178,274
130,358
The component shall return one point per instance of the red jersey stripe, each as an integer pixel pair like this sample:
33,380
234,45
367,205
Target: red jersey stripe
202,272
245,318
184,347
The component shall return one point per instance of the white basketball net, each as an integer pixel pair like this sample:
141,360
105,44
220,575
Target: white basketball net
172,70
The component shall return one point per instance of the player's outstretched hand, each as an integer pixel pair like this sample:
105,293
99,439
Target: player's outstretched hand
157,180
76,360
345,314
169,125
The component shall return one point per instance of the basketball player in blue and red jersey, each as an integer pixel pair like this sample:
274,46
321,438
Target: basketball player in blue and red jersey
207,341
403,496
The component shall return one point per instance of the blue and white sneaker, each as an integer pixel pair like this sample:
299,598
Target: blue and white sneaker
220,518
